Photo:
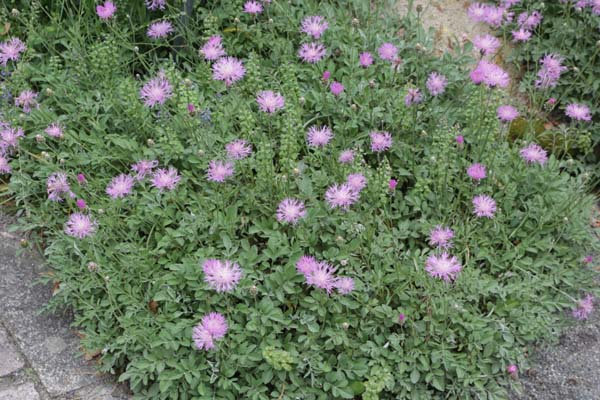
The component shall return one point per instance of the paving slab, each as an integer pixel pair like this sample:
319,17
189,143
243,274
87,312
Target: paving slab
10,359
25,391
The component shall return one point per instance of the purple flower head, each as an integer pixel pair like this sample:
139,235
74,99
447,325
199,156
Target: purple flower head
512,369
81,179
534,153
380,141
484,206
159,29
486,44
494,76
215,324
80,203
269,101
550,72
228,70
392,184
507,113
357,182
238,149
253,7
413,96
120,186
212,49
496,16
222,276
441,237
444,266
326,76
27,99
314,26
4,167
521,35
436,83
346,156
365,59
156,91
588,259
401,318
388,51
57,187
342,196
9,138
322,276
579,112
306,265
165,179
318,136
219,171
54,130
10,50
312,52
290,211
143,167
106,10
344,285
529,21
156,4
584,308
80,225
476,171
203,340
477,12
460,140
336,88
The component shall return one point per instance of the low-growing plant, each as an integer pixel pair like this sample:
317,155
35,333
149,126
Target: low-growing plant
313,206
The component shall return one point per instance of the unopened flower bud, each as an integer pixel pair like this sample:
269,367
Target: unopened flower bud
187,81
296,171
61,161
40,138
344,262
136,49
371,83
24,243
200,153
339,238
49,92
270,20
345,326
355,22
419,8
92,266
150,142
236,20
302,100
14,12
253,290
45,154
101,211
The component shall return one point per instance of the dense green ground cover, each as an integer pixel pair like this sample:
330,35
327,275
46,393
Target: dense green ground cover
425,315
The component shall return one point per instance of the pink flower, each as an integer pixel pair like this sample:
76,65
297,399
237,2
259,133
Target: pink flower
441,237
521,35
388,51
143,168
588,259
238,149
344,285
228,70
460,140
312,52
357,182
318,136
342,196
534,153
579,112
495,76
54,130
156,4
120,186
4,167
527,21
80,226
57,187
165,179
550,72
401,318
306,264
253,7
507,113
380,141
346,156
512,369
106,10
290,211
203,340
444,266
219,171
486,44
584,308
212,49
551,101
156,91
222,276
81,179
476,171
477,12
11,49
314,26
191,108
413,96
9,138
436,83
326,76
159,29
496,16
269,101
27,99
336,88
392,184
322,276
484,206
215,324
365,59
80,203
